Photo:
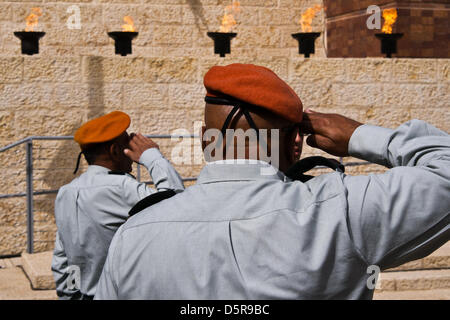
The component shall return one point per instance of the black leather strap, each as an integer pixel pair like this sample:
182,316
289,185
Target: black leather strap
238,105
78,162
151,200
296,172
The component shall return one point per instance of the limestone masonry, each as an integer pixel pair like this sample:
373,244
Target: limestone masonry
76,77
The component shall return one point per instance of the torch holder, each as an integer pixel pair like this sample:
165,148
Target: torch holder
222,42
306,42
389,43
122,41
29,41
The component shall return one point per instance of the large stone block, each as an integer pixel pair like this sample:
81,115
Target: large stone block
21,11
363,95
56,69
7,125
443,67
12,240
413,70
153,15
38,269
298,4
123,69
317,69
11,69
6,11
257,37
12,211
144,95
186,97
26,94
89,13
171,70
314,94
113,15
413,95
173,35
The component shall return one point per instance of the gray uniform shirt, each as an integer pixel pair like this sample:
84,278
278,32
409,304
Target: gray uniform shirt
89,210
238,234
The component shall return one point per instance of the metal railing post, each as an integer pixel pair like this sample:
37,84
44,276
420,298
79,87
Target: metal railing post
30,216
138,173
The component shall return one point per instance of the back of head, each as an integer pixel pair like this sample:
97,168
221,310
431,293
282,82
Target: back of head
251,98
97,136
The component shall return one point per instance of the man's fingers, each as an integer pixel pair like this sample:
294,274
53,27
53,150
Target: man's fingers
318,141
312,123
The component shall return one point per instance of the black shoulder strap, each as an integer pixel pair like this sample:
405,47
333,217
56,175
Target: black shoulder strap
296,172
151,200
121,173
116,172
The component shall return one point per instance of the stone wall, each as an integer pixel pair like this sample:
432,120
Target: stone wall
423,23
77,77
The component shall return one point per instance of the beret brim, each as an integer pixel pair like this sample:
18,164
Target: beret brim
102,129
254,85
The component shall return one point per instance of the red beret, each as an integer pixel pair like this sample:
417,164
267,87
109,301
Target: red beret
102,129
255,85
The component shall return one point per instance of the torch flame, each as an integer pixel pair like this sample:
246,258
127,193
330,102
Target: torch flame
33,19
129,24
228,21
308,16
390,16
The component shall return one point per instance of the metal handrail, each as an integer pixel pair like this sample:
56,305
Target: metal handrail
29,175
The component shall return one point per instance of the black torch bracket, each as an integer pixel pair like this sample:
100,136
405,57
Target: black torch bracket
306,42
122,41
389,42
29,41
222,42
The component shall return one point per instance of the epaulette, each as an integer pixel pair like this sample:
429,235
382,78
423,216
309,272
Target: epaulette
296,172
151,200
121,173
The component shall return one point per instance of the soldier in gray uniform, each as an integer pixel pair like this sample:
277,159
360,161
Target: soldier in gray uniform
240,233
91,208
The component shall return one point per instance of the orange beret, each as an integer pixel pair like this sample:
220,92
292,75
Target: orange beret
102,129
255,85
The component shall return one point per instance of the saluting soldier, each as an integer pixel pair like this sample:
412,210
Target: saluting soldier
242,234
91,208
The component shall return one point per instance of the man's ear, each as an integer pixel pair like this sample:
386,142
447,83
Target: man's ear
201,137
114,151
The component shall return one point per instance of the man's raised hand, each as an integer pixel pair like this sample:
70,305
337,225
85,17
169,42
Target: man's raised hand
138,144
328,132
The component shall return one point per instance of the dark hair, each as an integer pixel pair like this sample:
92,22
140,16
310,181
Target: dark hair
92,151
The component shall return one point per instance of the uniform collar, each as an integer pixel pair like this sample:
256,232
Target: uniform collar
95,169
238,170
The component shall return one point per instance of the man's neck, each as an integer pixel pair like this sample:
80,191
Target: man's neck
105,164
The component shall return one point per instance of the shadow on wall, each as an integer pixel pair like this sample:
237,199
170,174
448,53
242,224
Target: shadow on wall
63,162
199,14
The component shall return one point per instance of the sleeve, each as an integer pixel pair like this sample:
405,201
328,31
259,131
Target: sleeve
403,214
107,287
162,173
59,268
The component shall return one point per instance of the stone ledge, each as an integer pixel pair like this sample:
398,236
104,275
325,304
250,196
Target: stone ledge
38,269
440,294
415,280
14,285
439,259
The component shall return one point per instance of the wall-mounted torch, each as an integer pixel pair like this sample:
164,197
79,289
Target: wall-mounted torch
306,39
29,38
122,39
223,38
